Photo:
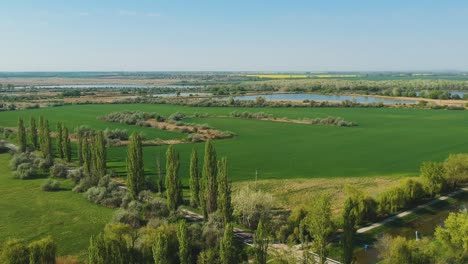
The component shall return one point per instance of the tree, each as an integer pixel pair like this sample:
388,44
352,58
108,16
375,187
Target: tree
80,147
59,138
173,183
261,241
66,144
453,237
227,248
209,183
161,249
21,135
432,174
42,251
456,169
224,192
33,133
194,180
319,225
400,250
86,156
184,246
46,142
159,180
349,230
99,155
135,169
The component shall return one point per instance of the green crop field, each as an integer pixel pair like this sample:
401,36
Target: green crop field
386,142
29,213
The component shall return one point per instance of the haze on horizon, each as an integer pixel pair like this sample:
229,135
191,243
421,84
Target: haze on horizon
298,35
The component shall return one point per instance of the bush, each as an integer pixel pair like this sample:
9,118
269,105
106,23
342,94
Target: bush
25,171
59,171
131,218
195,138
14,251
50,185
177,116
120,134
107,193
75,175
42,251
18,159
128,117
251,205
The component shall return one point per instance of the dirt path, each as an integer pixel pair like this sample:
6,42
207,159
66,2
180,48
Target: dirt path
405,213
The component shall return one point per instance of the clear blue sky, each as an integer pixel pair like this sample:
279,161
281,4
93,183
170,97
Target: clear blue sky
294,35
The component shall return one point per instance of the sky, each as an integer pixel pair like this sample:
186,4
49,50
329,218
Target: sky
235,35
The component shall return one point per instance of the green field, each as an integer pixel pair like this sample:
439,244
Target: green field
29,213
386,142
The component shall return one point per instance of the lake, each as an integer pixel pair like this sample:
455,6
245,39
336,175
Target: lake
323,97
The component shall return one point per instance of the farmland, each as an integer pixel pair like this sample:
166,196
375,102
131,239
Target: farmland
28,213
387,142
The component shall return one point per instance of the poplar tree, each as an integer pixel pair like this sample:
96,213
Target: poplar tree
41,131
135,169
349,230
261,244
159,180
80,147
210,189
59,138
86,155
66,146
21,135
194,180
184,247
99,155
227,249
33,133
224,191
46,146
161,249
173,183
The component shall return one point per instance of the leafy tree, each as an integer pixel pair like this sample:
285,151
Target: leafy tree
349,230
261,241
319,225
453,237
365,206
42,251
66,144
224,192
194,180
14,252
33,133
432,174
184,246
227,249
80,147
21,135
161,249
173,183
456,169
86,156
135,169
209,183
60,140
400,250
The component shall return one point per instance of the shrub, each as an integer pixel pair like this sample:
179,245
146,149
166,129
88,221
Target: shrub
50,185
75,175
18,159
14,251
59,171
251,205
177,116
25,171
42,251
195,137
131,218
120,134
107,193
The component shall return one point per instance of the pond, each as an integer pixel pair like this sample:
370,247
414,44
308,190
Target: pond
323,97
425,223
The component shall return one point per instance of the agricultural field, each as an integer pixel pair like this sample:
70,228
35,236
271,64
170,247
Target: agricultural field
386,142
28,213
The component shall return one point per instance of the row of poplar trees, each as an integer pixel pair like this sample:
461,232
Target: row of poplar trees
92,154
209,190
38,137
